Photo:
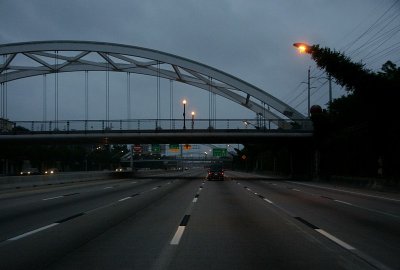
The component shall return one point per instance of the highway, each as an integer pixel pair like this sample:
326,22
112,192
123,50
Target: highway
178,220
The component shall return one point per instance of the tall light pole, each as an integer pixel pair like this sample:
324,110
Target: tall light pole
305,48
193,114
184,113
308,92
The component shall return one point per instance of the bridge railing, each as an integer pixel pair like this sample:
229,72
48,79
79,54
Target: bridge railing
161,125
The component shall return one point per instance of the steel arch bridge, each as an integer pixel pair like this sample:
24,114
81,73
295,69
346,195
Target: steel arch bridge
55,57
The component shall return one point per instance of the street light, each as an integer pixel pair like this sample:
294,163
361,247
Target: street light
193,114
302,47
184,113
306,48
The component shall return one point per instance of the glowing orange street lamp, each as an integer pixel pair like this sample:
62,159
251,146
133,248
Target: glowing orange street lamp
193,114
184,113
302,47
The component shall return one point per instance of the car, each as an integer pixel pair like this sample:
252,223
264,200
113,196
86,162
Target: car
29,171
215,173
51,171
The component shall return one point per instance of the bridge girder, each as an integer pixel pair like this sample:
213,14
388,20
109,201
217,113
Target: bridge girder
181,69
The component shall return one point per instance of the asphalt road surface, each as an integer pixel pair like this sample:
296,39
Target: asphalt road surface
178,220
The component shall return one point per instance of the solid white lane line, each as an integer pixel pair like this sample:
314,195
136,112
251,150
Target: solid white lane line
339,201
265,199
194,200
347,191
32,232
177,237
336,240
124,199
52,198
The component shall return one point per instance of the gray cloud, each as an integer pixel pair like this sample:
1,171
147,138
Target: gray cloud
249,39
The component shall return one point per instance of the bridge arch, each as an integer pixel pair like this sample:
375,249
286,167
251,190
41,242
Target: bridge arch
124,58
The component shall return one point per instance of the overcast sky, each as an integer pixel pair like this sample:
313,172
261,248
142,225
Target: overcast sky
250,39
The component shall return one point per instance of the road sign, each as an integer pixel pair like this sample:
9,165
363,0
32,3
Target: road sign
137,148
174,147
219,152
155,148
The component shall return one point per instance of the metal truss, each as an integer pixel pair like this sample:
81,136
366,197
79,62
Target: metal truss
55,57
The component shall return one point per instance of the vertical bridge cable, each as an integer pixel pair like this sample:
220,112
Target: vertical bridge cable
214,96
4,91
128,99
209,103
158,95
107,94
86,95
2,100
56,90
44,102
171,103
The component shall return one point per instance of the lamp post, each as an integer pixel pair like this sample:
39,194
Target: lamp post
305,48
184,113
193,114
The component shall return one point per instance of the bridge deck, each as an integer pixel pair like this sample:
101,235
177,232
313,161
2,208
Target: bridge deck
155,136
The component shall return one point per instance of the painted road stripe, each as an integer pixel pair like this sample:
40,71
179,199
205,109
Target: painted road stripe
339,201
265,199
107,187
336,240
326,234
33,232
52,198
177,237
124,199
194,200
179,232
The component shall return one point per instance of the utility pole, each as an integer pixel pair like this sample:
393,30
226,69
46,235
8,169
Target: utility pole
330,89
308,92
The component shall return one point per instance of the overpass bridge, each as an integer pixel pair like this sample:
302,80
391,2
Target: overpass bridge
226,131
274,120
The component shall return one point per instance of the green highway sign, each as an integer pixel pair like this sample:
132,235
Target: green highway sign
155,148
219,152
174,146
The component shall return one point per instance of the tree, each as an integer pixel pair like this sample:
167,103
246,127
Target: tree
363,123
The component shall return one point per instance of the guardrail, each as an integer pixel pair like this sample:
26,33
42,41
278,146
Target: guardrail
135,125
